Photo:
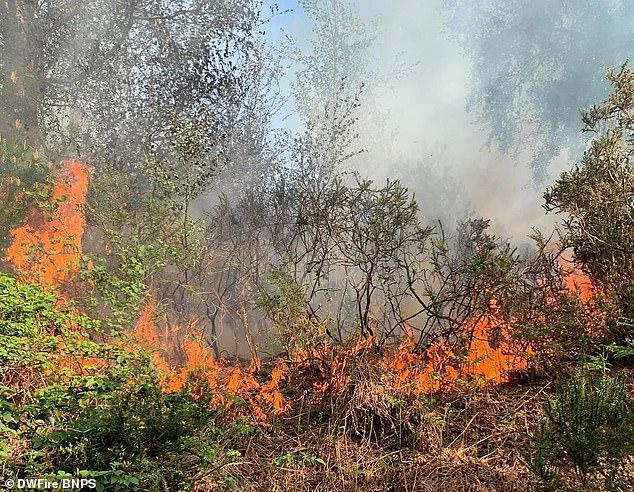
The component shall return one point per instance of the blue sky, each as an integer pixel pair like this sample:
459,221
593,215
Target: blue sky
284,20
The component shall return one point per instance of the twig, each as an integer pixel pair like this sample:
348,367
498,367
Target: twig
464,430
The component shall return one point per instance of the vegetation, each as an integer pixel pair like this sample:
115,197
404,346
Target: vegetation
238,312
597,196
587,428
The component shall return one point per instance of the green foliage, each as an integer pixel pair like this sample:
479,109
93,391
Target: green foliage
293,460
598,199
111,479
25,181
588,427
137,426
121,282
31,324
193,157
554,325
286,308
621,351
147,241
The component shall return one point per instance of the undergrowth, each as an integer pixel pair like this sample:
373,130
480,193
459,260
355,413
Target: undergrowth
72,406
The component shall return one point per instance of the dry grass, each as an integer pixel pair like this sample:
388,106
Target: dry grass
459,443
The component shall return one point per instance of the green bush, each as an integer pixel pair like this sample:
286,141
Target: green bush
596,196
106,417
589,428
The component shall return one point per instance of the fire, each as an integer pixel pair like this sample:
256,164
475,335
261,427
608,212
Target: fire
486,353
181,354
492,356
578,282
48,248
331,362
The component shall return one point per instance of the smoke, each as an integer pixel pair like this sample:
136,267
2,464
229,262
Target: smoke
475,105
535,63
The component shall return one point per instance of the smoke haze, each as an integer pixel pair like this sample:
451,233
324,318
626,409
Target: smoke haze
486,112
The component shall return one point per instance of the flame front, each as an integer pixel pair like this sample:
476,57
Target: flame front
492,356
48,248
181,354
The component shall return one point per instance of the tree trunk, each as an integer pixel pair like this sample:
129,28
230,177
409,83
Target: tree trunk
255,359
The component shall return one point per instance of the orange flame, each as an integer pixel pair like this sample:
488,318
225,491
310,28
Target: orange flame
332,363
181,353
492,357
578,282
47,249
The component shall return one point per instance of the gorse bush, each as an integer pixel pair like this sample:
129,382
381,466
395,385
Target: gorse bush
143,430
588,427
597,197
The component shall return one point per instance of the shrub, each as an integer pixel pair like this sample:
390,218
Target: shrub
597,198
588,426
